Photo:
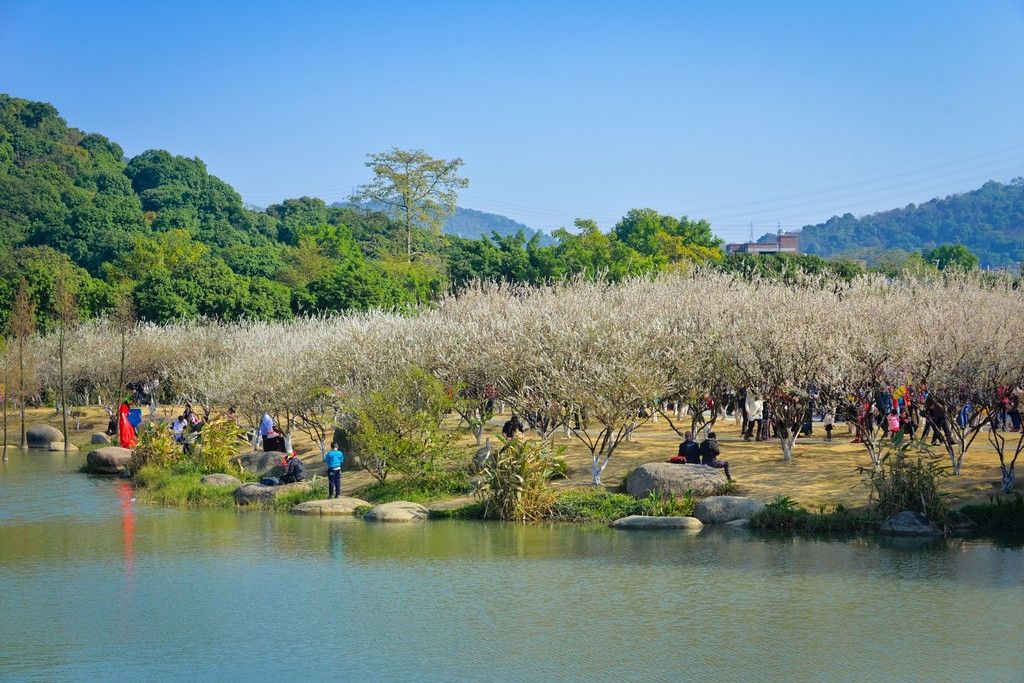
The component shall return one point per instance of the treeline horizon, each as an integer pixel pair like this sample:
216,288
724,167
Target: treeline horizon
159,232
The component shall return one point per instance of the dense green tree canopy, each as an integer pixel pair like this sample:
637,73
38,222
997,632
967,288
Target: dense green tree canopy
179,243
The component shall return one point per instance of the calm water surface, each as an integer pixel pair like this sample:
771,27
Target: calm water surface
96,587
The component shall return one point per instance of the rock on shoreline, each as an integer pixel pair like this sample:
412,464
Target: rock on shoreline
909,523
647,522
247,494
725,509
109,460
330,506
673,479
399,511
220,479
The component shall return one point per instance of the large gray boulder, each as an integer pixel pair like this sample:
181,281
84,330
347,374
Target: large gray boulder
657,523
483,457
399,511
109,460
59,446
220,479
262,463
41,436
723,509
99,439
257,494
330,506
674,480
909,523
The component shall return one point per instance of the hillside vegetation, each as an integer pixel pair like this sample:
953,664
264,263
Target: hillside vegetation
160,232
989,221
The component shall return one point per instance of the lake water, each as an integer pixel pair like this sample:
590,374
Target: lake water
94,586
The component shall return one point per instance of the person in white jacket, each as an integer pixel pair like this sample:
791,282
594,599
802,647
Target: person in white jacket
755,414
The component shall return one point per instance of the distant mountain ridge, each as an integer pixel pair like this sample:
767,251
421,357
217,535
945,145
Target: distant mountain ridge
473,224
989,221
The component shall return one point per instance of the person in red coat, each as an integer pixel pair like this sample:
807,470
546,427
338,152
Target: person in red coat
125,431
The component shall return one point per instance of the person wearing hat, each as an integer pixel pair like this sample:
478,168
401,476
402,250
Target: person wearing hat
294,469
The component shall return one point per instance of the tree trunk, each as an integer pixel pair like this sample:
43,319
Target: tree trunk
6,389
1009,477
21,391
63,389
595,470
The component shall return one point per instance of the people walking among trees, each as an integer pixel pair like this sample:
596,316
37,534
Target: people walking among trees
334,459
754,406
266,427
512,427
829,420
709,452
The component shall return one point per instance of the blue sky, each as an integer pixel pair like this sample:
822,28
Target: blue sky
739,112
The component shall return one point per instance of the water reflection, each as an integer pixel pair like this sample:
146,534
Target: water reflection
455,600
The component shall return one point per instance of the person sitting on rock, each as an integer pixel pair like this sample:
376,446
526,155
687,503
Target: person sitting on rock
294,469
689,451
709,452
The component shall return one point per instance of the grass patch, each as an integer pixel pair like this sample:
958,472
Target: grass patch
286,501
473,510
784,514
600,505
418,489
999,514
183,490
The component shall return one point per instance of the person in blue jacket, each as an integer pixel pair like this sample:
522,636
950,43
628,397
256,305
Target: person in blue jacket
334,459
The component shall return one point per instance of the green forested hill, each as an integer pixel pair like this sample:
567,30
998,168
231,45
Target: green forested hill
159,231
473,224
989,221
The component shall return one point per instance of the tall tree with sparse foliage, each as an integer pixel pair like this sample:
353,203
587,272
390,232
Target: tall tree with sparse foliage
23,326
418,189
67,316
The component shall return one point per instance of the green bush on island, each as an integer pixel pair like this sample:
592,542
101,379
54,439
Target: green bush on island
907,478
164,487
514,485
601,505
784,514
474,510
999,514
424,489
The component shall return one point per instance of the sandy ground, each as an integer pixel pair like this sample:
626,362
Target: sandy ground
821,473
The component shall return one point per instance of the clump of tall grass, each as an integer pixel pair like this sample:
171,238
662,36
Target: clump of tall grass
999,514
907,478
514,486
784,514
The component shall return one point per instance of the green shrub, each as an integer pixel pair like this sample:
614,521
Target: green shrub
165,488
514,487
397,427
784,514
999,514
156,447
217,446
474,510
660,505
288,500
424,489
593,505
600,505
908,479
